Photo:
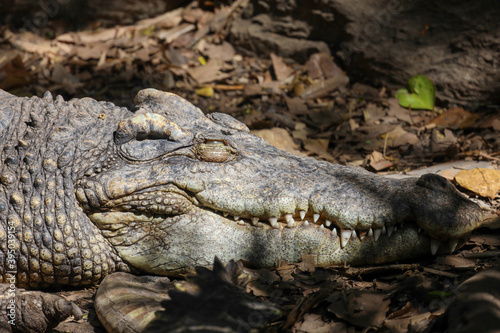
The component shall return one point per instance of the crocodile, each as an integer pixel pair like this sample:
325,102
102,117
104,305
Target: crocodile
89,188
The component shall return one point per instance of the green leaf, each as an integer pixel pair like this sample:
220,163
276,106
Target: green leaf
421,94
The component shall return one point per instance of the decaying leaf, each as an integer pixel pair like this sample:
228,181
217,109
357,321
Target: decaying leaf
399,137
281,69
13,73
359,307
378,161
279,138
485,182
455,118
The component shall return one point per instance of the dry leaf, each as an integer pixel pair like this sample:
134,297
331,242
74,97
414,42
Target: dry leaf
378,161
208,73
319,147
485,182
372,113
455,118
324,87
359,307
279,138
443,142
281,69
321,65
224,51
13,73
399,137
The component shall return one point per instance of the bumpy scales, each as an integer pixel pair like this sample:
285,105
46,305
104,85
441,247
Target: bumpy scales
88,188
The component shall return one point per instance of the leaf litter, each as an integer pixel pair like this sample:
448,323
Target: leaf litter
309,108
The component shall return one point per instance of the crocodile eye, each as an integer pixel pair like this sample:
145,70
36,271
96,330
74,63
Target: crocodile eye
215,151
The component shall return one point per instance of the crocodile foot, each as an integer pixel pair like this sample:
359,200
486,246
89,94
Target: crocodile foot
33,311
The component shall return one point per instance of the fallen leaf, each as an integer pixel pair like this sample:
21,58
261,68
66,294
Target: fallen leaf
296,105
443,142
485,182
208,73
324,87
455,118
378,161
372,113
313,323
279,138
13,73
68,81
420,94
318,147
396,110
321,65
456,261
281,69
399,137
224,51
359,307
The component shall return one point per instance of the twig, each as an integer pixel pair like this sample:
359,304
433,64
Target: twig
482,255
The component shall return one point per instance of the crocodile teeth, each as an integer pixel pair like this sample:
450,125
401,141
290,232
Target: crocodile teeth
390,230
274,222
290,222
306,223
255,220
241,223
328,223
315,217
377,232
354,234
345,235
302,214
236,218
225,214
334,231
370,232
322,227
453,244
434,246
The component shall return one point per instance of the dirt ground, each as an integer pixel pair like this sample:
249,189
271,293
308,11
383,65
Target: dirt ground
310,108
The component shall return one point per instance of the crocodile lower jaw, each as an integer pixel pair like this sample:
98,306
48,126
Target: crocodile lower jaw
303,219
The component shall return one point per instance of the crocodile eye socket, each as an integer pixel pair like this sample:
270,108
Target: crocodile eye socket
146,150
215,151
146,136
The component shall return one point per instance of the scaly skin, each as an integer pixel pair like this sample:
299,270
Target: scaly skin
89,188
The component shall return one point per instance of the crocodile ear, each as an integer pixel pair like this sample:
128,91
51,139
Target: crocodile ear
146,136
148,126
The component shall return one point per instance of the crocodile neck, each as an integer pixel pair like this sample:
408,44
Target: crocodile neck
45,238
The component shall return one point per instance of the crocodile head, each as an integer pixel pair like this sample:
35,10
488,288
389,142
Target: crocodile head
178,188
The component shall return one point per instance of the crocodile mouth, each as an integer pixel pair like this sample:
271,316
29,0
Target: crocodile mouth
303,219
148,205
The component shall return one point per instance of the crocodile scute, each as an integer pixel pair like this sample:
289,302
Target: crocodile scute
88,188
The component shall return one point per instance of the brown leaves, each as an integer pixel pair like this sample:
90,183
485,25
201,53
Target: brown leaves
360,308
485,182
12,71
455,118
